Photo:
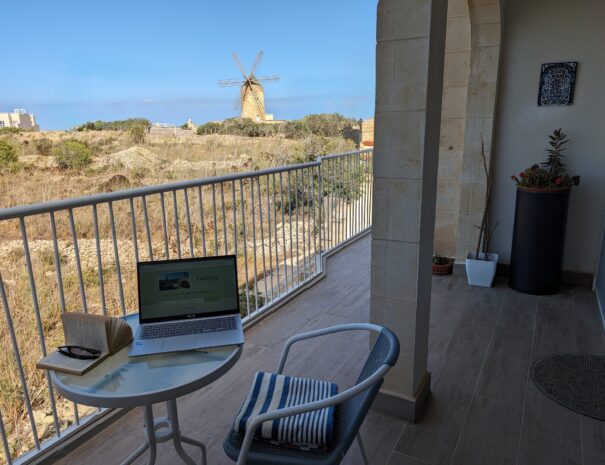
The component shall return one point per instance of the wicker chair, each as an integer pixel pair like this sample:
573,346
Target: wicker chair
351,407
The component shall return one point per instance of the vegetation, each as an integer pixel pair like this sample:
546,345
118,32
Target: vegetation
485,229
8,155
137,133
43,146
314,146
72,154
320,125
209,128
238,127
554,174
441,260
6,130
325,125
119,125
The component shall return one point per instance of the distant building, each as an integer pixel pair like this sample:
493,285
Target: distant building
191,125
367,133
163,125
19,119
168,129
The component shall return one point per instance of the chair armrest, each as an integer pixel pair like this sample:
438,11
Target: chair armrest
323,332
308,407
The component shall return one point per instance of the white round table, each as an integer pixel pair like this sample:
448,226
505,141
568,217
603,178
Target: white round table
121,381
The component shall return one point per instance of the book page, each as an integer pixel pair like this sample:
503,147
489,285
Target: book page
122,336
60,362
86,330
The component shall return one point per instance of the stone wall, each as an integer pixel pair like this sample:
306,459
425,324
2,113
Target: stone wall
453,121
467,117
367,132
253,102
480,108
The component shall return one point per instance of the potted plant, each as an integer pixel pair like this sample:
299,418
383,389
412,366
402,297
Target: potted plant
540,221
442,264
481,265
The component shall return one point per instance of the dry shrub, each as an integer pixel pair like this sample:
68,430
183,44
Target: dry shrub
72,154
8,154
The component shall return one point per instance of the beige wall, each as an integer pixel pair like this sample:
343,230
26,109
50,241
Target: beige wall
543,31
469,96
453,118
480,108
367,131
18,120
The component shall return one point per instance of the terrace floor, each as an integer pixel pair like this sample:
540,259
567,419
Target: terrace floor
483,409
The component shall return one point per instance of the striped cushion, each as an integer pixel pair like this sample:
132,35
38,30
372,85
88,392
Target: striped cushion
273,392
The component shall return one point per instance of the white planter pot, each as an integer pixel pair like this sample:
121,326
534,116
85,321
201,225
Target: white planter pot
481,272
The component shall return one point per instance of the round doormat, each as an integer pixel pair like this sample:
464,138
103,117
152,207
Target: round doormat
574,381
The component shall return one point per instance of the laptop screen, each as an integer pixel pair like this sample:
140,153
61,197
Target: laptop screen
188,288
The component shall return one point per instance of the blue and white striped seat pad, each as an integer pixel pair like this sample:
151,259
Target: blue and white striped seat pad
273,392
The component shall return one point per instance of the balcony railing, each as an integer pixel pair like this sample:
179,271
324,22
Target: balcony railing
80,255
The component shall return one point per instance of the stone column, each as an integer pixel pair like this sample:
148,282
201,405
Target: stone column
409,78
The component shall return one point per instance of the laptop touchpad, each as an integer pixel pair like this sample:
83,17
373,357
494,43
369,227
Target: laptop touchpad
174,344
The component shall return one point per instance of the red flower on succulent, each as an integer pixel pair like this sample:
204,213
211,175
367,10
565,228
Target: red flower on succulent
558,181
522,174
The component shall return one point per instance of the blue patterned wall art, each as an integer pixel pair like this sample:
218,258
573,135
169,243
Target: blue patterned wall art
557,82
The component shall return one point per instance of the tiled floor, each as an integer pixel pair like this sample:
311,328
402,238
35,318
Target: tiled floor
483,410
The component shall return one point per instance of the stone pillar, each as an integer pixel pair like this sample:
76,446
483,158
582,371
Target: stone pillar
409,78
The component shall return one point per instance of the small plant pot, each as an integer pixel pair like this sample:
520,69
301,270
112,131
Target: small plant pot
481,272
446,268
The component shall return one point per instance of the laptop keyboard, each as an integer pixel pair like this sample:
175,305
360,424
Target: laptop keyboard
187,327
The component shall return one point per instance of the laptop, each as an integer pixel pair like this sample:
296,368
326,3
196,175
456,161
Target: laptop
187,304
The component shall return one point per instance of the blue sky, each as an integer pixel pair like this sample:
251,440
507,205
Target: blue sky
72,61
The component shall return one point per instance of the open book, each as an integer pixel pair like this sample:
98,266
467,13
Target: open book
104,333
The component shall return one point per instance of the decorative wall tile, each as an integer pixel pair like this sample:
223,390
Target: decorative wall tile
557,81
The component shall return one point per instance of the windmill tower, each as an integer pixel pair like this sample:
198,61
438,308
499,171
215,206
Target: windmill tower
252,93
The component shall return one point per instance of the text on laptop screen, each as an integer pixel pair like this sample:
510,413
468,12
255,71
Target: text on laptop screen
186,288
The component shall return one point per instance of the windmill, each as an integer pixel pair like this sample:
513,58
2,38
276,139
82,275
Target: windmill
252,94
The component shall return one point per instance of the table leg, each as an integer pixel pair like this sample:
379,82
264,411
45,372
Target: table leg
178,438
151,440
194,442
136,454
165,429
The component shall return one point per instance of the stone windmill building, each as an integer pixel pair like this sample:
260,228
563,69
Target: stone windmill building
252,93
252,98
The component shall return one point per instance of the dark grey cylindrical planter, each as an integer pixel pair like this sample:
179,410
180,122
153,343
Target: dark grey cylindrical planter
538,240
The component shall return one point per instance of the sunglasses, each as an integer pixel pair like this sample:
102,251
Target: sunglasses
79,352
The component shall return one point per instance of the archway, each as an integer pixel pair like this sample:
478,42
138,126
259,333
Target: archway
469,99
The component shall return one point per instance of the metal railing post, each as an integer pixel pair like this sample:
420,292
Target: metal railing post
320,210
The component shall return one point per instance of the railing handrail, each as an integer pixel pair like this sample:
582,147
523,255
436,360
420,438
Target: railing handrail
343,154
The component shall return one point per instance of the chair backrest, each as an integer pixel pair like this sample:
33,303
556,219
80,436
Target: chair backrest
384,351
353,411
